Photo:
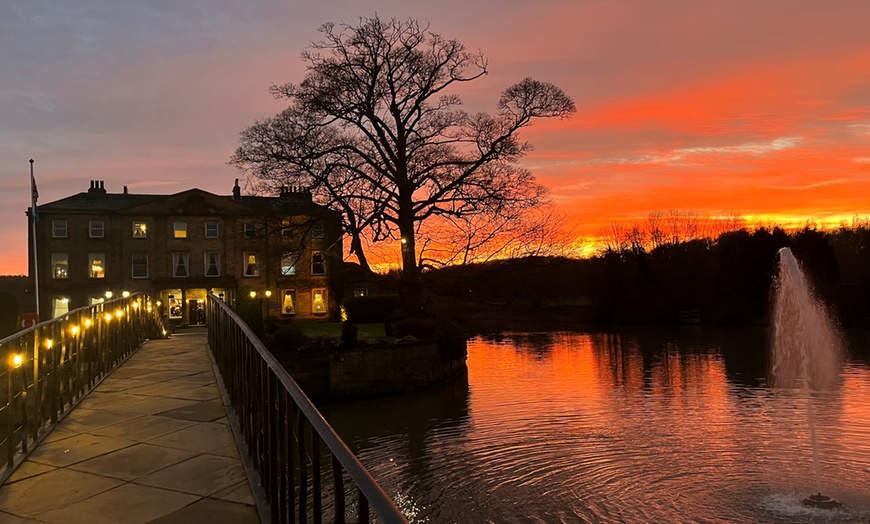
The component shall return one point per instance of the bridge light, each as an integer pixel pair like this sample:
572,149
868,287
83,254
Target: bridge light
107,317
108,294
74,330
17,360
49,343
87,322
125,294
119,313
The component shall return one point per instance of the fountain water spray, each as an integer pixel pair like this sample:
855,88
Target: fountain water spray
806,348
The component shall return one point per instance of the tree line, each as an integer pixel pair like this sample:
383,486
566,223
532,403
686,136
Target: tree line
728,278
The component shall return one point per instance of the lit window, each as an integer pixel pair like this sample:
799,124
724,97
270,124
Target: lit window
175,306
59,265
361,292
317,265
59,306
288,264
179,229
180,265
140,230
212,229
317,230
252,267
212,264
250,230
98,265
58,229
318,301
140,265
96,229
288,302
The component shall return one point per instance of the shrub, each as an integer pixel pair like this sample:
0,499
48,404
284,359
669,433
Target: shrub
371,309
349,334
288,338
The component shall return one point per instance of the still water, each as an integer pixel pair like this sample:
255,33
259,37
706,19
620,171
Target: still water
646,427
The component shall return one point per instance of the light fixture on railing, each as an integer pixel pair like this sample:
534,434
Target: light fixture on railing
125,294
107,317
87,322
17,360
49,343
119,313
74,330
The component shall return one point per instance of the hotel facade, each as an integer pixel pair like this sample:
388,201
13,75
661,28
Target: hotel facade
285,251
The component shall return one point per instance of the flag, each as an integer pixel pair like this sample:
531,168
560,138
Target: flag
34,196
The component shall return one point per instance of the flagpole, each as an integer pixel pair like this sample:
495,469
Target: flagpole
33,219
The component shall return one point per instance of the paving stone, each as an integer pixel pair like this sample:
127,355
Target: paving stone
201,475
200,411
143,428
52,490
134,462
75,449
204,437
211,511
129,503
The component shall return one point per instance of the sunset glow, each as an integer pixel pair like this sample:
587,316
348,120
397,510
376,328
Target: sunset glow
761,110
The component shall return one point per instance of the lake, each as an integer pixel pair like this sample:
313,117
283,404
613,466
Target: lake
645,426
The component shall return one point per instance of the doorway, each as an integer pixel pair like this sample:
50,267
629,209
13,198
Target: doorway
196,312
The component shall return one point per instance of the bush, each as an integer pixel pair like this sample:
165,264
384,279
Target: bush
420,328
349,334
371,309
288,338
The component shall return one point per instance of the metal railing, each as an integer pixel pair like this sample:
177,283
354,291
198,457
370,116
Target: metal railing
301,461
48,368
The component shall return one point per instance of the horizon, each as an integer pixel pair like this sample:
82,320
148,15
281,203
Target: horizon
756,110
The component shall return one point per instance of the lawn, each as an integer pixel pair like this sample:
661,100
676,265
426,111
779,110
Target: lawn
372,331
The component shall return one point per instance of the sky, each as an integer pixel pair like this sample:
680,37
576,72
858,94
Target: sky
735,106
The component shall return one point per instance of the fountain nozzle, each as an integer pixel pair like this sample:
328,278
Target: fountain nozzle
820,501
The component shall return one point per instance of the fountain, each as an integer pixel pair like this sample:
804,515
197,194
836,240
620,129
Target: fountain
806,349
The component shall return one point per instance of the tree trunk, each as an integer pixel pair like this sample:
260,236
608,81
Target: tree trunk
356,248
411,284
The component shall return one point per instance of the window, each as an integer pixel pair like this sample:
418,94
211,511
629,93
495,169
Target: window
288,264
140,230
250,230
252,267
59,265
98,266
317,230
286,229
175,305
288,302
317,265
212,229
361,292
318,301
59,306
180,265
58,228
179,230
140,265
212,264
95,229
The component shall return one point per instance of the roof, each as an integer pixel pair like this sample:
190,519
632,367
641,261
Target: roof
191,202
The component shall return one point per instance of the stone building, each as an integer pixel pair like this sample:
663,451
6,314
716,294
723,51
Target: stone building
285,250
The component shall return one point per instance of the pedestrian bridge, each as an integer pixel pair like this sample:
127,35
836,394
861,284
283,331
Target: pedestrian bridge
105,419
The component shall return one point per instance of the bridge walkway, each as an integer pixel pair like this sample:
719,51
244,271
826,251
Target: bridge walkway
151,444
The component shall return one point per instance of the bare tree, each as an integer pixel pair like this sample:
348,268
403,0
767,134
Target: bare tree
373,130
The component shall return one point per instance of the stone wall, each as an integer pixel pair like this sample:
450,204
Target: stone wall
393,368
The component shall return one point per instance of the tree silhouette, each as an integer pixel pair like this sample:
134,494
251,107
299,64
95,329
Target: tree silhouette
374,132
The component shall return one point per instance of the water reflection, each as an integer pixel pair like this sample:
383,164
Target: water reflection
615,427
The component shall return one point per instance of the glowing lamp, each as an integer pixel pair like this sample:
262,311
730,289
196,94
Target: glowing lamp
125,294
268,293
253,294
74,330
17,360
107,317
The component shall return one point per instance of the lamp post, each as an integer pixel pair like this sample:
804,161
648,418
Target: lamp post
268,294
